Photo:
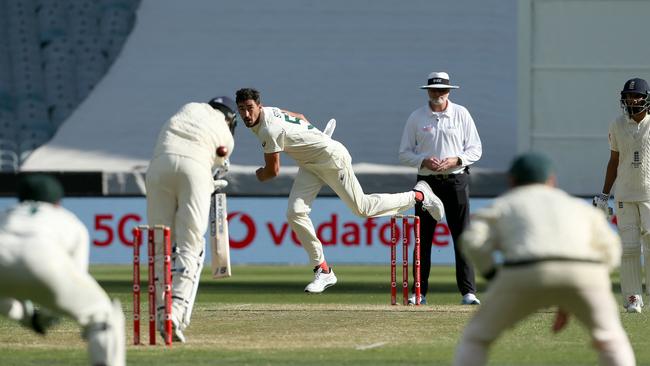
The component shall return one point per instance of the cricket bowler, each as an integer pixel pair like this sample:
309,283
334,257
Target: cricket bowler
321,160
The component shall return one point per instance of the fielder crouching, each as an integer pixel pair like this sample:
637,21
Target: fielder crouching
557,251
44,261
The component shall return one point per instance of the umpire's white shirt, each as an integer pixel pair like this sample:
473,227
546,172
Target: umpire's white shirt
446,134
632,142
42,222
195,131
537,222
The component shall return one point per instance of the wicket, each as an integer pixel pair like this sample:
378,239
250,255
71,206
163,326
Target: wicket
167,281
405,258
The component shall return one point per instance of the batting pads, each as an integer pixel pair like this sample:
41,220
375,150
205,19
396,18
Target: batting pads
186,272
633,219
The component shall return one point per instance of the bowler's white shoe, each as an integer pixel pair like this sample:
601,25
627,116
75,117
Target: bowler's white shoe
431,202
470,299
634,304
321,281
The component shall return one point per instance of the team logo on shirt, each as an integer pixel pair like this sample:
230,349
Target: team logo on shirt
636,160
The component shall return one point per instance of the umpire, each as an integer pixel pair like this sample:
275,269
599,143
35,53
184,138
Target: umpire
441,140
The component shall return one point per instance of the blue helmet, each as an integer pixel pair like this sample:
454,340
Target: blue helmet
633,106
228,107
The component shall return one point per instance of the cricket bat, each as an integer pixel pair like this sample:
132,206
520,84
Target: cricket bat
219,241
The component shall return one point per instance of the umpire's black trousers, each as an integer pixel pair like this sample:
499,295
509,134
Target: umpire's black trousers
453,191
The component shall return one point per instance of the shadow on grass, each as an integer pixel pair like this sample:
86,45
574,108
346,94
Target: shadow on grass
274,287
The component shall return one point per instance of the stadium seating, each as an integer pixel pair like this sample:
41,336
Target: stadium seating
31,139
52,54
8,161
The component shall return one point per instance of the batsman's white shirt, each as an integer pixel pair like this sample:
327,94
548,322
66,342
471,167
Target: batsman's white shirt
450,133
322,160
195,131
632,142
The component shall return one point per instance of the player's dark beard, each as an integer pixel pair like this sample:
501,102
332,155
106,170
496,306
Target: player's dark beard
632,110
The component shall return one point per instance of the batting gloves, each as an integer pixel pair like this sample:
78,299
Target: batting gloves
601,202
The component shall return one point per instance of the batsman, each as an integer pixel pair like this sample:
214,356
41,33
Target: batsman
179,181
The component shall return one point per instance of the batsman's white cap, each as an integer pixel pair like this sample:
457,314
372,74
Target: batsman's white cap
438,80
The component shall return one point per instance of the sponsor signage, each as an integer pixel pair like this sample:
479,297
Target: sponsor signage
259,231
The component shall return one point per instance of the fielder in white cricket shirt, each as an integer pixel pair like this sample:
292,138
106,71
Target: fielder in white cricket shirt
556,251
179,183
44,271
321,160
629,144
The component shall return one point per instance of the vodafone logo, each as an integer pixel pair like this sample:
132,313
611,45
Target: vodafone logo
244,230
236,219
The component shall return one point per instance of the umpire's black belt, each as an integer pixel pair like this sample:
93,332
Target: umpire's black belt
444,176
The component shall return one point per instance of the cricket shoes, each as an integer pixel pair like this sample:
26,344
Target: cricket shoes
177,334
39,320
411,300
634,304
321,281
431,202
470,299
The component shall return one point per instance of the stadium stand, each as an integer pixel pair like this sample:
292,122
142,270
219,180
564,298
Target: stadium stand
52,54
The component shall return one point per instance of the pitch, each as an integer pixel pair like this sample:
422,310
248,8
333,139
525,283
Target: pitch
261,316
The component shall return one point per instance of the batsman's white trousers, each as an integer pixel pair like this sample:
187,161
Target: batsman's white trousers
178,196
339,176
44,274
581,289
633,221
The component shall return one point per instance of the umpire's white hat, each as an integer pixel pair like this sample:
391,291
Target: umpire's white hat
438,80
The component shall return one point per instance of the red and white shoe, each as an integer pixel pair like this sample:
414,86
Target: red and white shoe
431,203
321,281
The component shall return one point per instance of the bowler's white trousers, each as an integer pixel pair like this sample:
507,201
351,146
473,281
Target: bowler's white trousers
339,176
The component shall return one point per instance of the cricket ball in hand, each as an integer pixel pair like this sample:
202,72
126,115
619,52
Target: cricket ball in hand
222,151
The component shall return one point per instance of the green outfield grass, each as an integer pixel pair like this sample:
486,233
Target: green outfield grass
261,316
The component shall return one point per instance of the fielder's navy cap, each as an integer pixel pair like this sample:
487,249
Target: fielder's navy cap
39,187
636,85
531,167
225,101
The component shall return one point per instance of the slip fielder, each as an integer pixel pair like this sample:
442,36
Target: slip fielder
44,260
